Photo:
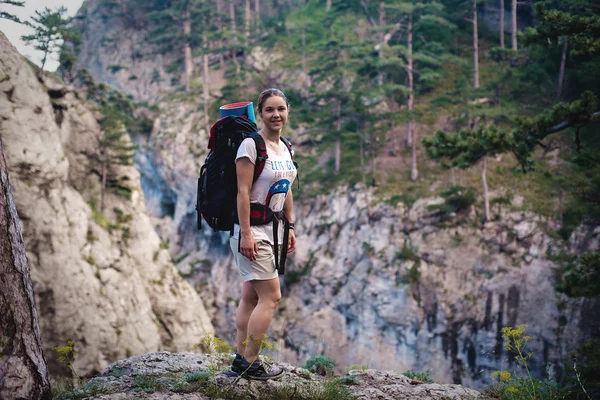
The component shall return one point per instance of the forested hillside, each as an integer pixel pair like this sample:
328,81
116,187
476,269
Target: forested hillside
449,169
369,80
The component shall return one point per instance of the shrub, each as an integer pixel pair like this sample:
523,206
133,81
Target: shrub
419,376
320,365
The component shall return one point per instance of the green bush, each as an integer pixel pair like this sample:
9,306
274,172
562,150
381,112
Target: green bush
320,365
419,376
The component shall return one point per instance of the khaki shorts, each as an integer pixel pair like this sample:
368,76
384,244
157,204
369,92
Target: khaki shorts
261,269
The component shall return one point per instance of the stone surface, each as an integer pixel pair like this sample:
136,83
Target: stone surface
110,288
125,379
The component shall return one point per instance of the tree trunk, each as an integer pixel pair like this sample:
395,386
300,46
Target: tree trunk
232,18
205,93
412,133
364,177
234,32
381,39
338,139
23,370
328,6
248,21
486,200
394,144
561,74
475,47
514,25
220,28
187,30
502,23
304,68
104,174
257,15
414,172
411,96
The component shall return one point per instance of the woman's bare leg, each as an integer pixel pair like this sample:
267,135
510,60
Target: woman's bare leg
242,315
269,296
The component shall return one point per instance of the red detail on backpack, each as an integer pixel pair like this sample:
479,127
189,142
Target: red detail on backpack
254,214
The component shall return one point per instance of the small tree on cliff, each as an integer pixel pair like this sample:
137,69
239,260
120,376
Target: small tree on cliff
50,28
113,150
468,147
6,15
23,370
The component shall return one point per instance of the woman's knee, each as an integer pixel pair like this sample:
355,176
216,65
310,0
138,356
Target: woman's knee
272,300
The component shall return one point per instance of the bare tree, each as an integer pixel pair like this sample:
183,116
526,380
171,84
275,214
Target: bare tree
328,6
563,65
502,23
23,370
187,49
248,21
514,25
220,28
257,15
475,47
412,133
486,197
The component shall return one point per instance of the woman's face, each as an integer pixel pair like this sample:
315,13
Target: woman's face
274,113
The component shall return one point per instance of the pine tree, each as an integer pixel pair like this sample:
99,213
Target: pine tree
113,150
423,56
50,28
9,16
468,147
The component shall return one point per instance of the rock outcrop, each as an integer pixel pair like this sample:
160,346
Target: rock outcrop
199,376
102,280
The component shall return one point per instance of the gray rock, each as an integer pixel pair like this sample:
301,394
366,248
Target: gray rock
111,289
166,375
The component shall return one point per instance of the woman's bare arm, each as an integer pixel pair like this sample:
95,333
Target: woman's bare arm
245,175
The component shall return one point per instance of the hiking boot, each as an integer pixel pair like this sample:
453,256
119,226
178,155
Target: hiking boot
239,364
262,371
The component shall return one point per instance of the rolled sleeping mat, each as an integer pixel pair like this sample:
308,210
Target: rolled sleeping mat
238,109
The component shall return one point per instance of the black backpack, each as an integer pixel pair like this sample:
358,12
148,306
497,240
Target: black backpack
217,184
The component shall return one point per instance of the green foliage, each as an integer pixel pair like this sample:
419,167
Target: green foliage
516,388
65,391
210,344
197,376
468,146
51,28
114,68
320,365
457,200
581,278
582,371
581,31
66,356
5,15
148,383
419,376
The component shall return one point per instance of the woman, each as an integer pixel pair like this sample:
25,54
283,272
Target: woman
256,256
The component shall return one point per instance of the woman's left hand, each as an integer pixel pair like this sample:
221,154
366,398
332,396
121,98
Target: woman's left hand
291,241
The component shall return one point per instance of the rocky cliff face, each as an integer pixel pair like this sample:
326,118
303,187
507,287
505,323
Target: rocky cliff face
389,287
101,280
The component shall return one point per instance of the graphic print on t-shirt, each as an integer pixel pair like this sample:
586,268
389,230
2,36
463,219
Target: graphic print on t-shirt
277,194
282,171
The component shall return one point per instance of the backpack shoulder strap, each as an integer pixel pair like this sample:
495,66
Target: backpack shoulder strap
261,154
288,144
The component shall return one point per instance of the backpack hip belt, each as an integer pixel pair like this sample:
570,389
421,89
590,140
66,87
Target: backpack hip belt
260,214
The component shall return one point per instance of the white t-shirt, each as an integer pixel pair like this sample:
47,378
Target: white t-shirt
272,186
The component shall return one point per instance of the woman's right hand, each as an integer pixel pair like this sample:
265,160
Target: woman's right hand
248,247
